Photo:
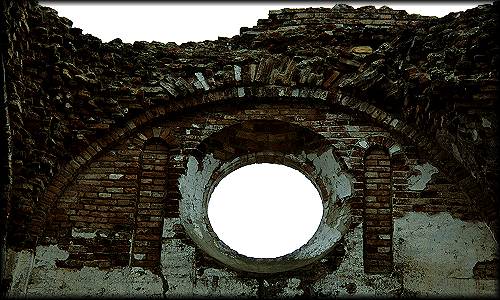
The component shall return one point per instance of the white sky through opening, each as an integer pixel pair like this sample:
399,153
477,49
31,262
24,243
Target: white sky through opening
198,21
265,210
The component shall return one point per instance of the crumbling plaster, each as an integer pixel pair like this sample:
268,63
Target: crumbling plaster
197,184
419,182
434,256
71,96
42,277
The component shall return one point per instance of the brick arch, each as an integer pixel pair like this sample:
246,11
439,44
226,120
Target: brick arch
157,135
429,150
334,81
382,155
229,93
281,136
244,141
394,149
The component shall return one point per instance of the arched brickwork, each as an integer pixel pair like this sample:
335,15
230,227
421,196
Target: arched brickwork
241,139
83,113
429,149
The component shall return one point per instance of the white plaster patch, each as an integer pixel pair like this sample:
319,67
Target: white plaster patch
338,184
363,144
192,186
351,272
177,263
49,280
139,256
343,186
222,283
21,264
436,255
241,92
77,233
46,256
419,182
92,282
202,81
394,149
485,122
168,227
237,73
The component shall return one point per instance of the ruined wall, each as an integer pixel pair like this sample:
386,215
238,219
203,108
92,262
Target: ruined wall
108,220
114,142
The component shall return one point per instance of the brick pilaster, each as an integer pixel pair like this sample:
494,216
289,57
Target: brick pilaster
377,213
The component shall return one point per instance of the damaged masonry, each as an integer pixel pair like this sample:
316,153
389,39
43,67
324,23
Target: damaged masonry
110,152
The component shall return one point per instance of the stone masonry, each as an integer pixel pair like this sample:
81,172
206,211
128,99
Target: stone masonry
110,152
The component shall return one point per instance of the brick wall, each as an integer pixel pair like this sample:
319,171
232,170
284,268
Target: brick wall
83,113
126,192
150,205
377,213
68,90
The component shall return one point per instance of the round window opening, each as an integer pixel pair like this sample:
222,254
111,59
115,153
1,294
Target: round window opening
265,210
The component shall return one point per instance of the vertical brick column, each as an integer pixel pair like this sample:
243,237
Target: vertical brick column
377,213
150,205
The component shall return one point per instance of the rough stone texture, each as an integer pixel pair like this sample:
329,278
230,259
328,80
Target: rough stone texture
47,279
104,136
20,267
351,279
436,255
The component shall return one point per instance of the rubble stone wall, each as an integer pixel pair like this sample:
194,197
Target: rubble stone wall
116,146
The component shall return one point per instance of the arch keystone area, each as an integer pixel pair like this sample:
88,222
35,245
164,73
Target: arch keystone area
112,150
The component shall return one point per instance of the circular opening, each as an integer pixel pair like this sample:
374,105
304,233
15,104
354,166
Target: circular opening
265,210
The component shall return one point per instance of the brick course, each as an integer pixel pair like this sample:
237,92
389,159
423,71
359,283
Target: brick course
130,188
100,132
377,213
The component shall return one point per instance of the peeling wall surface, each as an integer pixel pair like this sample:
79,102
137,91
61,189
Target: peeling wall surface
419,182
192,262
193,209
422,242
350,278
436,255
116,149
47,279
